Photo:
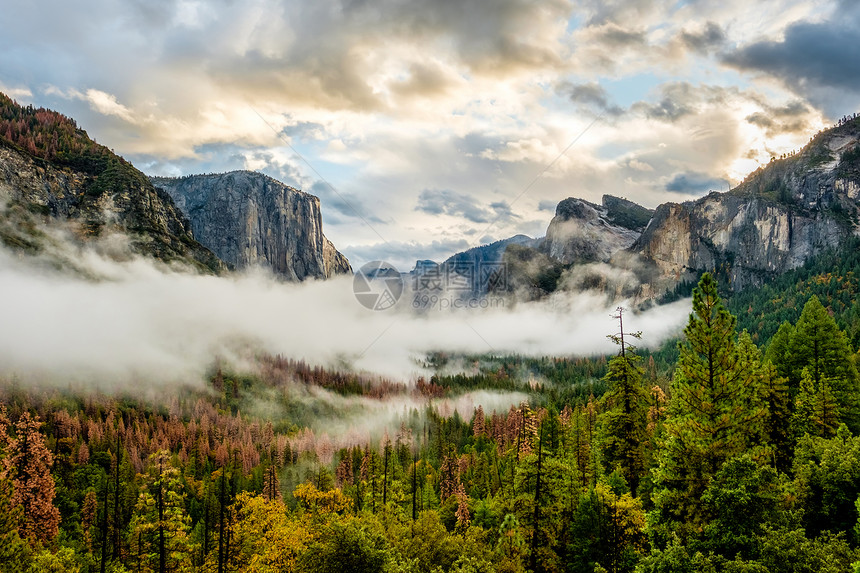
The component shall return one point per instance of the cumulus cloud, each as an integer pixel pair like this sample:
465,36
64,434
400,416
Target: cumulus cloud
812,58
447,202
386,99
707,37
592,94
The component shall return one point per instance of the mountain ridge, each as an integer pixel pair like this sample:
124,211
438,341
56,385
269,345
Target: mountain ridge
779,217
52,172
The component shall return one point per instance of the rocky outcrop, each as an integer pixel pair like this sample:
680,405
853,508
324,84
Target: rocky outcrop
582,232
94,201
249,219
778,218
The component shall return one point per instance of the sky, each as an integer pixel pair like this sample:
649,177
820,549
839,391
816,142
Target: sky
430,126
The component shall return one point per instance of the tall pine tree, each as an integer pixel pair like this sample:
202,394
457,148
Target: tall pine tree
714,410
625,422
819,345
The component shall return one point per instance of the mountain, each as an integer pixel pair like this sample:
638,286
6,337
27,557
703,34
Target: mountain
776,219
779,217
584,232
475,271
250,219
51,171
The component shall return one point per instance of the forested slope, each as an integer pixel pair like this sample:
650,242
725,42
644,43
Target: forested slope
745,461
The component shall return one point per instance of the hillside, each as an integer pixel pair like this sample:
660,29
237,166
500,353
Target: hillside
50,170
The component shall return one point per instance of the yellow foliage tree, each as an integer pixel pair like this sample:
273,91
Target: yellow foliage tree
313,500
267,538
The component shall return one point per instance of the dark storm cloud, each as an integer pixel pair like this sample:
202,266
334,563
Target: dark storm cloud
694,183
447,202
811,55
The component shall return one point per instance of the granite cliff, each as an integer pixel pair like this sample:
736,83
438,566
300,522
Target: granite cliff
779,217
249,219
776,219
583,232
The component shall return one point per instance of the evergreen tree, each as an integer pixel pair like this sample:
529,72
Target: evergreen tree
626,420
819,345
715,409
29,466
271,484
778,416
778,352
816,412
14,551
159,529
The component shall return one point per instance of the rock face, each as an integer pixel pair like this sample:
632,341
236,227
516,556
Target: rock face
249,219
774,221
584,232
34,191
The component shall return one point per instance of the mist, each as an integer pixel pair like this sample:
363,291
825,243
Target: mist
140,323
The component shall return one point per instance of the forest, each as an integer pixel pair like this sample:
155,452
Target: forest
737,458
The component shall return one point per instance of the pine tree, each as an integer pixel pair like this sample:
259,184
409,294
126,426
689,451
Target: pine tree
804,408
825,409
160,526
714,410
625,422
778,351
271,484
478,422
13,549
816,412
29,466
777,425
819,345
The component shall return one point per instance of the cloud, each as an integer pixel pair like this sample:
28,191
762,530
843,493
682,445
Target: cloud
708,37
138,323
447,202
592,94
795,117
615,36
547,205
403,254
677,100
695,183
813,58
107,104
